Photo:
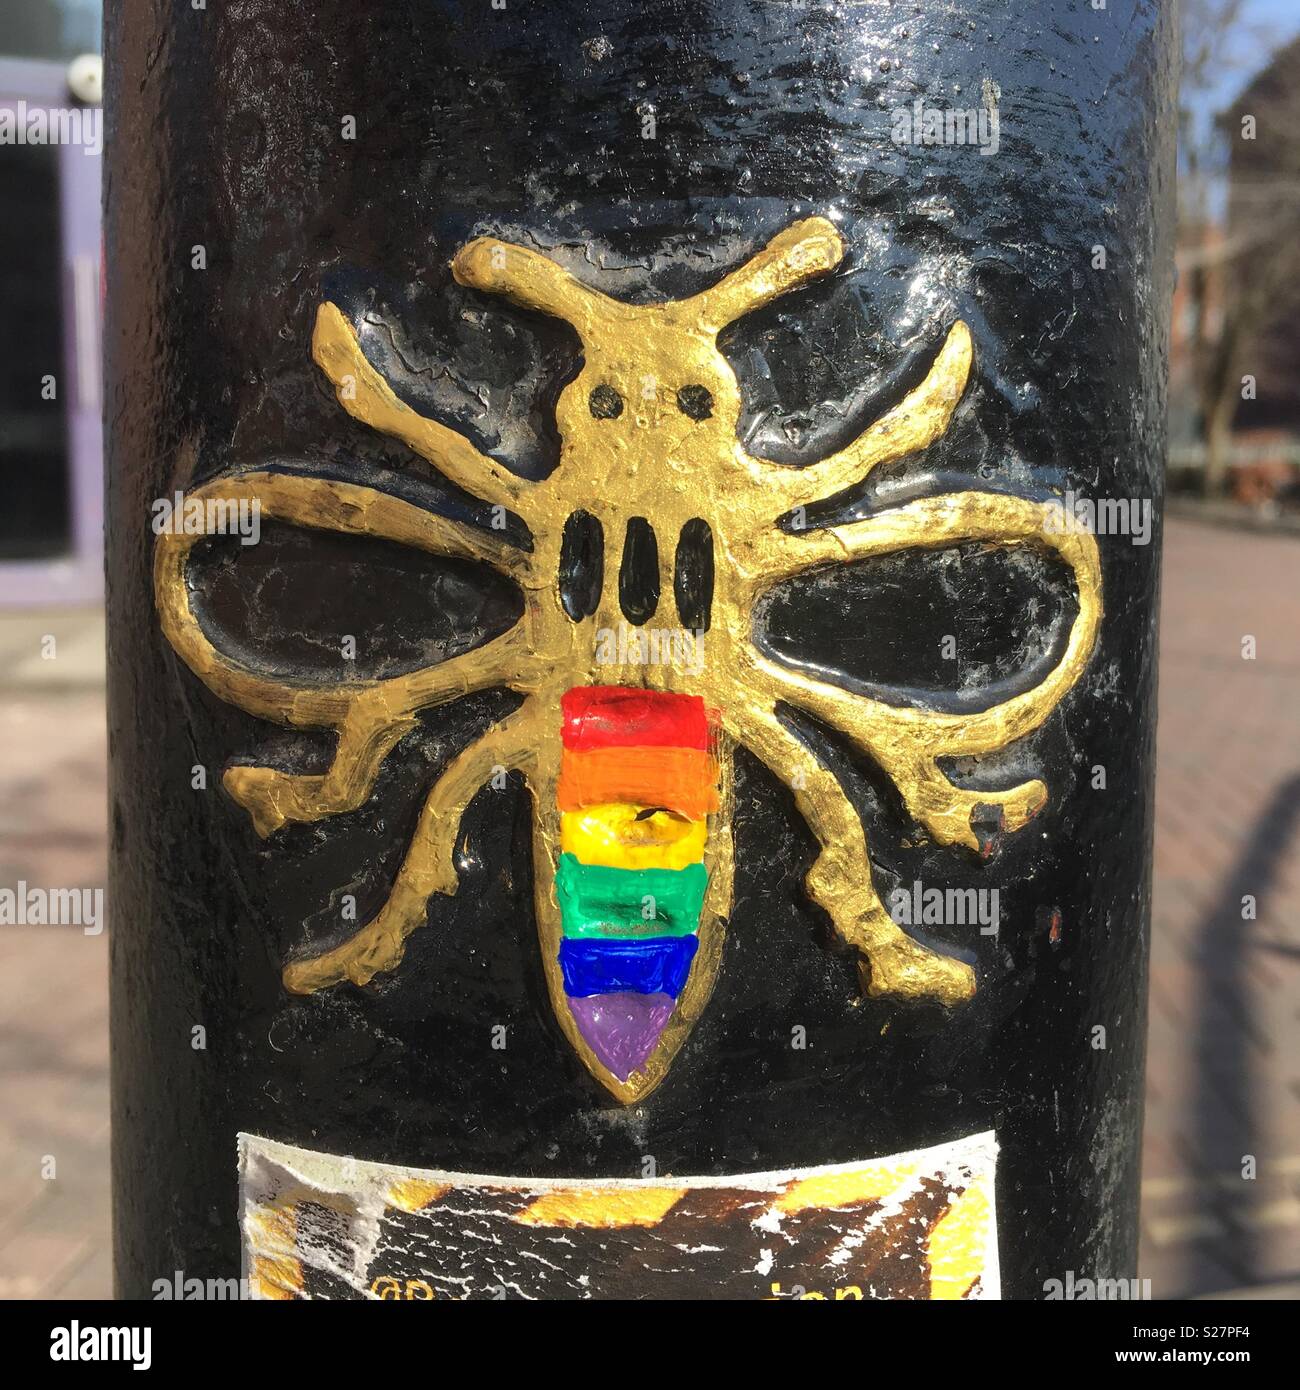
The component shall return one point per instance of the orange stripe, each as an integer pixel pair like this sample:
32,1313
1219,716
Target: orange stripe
679,779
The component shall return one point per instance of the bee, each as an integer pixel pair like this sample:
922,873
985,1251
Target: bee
654,509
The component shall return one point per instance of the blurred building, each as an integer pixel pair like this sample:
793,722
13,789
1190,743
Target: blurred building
1264,217
1234,358
51,469
1197,315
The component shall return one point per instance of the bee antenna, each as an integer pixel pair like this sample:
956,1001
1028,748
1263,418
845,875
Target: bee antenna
804,251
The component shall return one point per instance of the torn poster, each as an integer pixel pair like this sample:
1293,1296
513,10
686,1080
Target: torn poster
912,1225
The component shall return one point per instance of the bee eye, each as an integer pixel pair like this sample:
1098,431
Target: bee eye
695,401
605,403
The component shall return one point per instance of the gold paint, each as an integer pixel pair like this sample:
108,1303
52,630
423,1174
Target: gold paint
959,1242
607,1208
414,1194
370,716
275,1271
655,462
366,396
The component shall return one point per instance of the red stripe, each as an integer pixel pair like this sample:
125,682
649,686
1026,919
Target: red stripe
615,716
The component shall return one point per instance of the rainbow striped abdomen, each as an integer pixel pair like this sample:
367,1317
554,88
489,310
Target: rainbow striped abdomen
638,780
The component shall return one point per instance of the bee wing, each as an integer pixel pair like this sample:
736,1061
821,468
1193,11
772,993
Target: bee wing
907,741
370,716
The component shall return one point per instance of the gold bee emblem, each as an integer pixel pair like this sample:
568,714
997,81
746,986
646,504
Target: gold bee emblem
629,764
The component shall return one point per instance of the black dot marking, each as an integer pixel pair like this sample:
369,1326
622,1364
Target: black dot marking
695,401
605,403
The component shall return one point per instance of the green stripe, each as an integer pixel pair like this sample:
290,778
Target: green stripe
596,900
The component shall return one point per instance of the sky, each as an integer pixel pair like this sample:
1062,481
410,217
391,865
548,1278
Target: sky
1269,25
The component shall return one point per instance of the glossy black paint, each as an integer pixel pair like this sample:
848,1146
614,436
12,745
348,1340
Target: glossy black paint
638,572
582,565
693,575
226,131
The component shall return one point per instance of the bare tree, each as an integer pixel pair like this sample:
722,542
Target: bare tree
1247,164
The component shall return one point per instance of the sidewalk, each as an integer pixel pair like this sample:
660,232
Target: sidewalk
1223,1075
54,985
1223,1069
52,651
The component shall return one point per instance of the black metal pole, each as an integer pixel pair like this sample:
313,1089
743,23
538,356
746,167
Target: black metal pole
633,540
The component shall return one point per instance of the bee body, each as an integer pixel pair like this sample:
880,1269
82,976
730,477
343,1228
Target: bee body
633,875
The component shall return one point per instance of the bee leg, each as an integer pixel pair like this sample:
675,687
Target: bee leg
273,798
840,878
429,866
371,727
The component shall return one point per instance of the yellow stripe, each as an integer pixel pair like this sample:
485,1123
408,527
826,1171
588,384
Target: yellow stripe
959,1243
828,1191
275,1271
608,1208
619,836
414,1194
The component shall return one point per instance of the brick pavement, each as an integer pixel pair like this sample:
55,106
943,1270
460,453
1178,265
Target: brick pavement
1223,1075
54,984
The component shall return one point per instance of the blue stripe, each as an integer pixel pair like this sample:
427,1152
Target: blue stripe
657,965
